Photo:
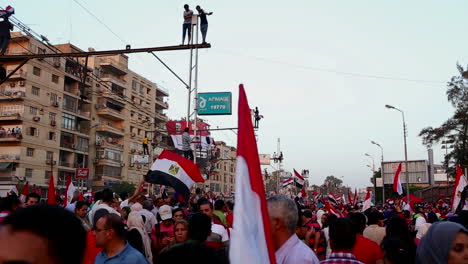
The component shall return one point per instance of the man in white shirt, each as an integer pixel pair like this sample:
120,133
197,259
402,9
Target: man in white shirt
187,26
149,216
219,233
283,219
97,211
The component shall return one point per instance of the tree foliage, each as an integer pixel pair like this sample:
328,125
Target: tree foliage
455,129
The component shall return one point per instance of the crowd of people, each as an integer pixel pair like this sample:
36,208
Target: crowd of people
137,228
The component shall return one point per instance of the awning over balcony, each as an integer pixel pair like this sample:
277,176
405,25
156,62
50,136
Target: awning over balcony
5,166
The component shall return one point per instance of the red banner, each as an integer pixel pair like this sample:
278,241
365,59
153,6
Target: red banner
177,128
82,173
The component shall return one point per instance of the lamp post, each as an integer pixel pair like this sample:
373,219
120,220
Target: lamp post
405,134
381,170
373,174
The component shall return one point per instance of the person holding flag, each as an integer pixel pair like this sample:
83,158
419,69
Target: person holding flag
459,192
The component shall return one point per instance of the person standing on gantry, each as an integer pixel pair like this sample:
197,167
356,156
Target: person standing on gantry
203,22
187,26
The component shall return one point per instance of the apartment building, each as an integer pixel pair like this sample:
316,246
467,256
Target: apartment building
222,180
53,120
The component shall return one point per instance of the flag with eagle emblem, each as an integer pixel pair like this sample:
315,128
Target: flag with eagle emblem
173,170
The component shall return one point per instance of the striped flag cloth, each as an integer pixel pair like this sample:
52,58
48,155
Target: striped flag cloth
251,240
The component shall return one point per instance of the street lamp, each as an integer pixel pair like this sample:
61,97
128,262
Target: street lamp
373,172
405,134
381,170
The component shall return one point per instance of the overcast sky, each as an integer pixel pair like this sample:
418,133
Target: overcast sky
319,71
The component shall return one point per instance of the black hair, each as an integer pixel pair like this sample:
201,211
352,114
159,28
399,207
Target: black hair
330,219
197,191
186,129
97,196
230,205
80,204
178,210
307,213
199,227
8,203
192,253
33,195
359,221
107,195
432,217
49,222
203,201
197,6
374,217
342,234
397,227
219,205
124,196
396,250
115,223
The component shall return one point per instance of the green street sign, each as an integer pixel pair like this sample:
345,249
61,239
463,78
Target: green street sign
215,103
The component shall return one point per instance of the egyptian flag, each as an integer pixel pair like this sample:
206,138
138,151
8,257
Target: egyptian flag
332,199
396,181
331,209
302,193
367,202
458,191
70,190
298,179
288,181
176,171
251,238
24,192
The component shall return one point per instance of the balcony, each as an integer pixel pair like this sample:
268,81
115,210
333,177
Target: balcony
110,113
117,66
161,90
111,130
11,116
161,104
107,144
160,116
9,157
7,138
12,95
106,77
18,75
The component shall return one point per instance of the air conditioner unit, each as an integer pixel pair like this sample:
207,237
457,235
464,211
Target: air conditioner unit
73,146
52,122
48,162
140,152
139,166
36,118
12,84
22,83
98,85
132,165
132,150
98,143
122,164
7,93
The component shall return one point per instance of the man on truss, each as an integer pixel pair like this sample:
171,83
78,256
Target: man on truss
203,22
187,26
5,28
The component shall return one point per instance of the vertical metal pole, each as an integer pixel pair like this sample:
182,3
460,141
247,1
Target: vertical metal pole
383,180
195,107
406,159
190,75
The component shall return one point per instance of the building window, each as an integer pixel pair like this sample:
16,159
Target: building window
30,152
142,88
82,144
55,78
33,131
53,97
134,85
35,91
48,174
52,116
49,155
33,110
37,71
51,135
28,173
148,90
69,122
70,103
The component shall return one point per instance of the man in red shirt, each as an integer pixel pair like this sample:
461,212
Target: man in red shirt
365,250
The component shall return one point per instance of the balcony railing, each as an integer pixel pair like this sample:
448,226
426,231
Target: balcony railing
10,157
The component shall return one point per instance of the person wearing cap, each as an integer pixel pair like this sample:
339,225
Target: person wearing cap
163,233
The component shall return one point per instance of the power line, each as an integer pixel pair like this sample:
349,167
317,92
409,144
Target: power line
100,21
318,69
